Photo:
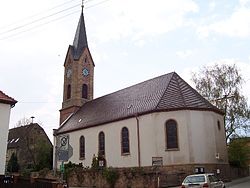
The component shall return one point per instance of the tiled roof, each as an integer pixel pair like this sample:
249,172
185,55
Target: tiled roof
18,135
80,40
6,99
164,93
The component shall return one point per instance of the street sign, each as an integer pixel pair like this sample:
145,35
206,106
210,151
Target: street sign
64,142
157,161
63,152
63,155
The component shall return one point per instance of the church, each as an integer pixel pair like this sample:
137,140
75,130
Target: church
162,121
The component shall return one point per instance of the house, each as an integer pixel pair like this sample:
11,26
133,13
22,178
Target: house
28,143
6,103
161,121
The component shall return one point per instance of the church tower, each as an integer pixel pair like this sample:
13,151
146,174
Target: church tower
78,73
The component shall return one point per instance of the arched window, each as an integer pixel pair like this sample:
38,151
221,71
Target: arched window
101,140
82,147
125,140
84,91
69,91
171,135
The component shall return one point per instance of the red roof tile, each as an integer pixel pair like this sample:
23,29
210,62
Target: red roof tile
6,99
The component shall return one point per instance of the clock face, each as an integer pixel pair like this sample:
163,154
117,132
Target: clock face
85,72
69,72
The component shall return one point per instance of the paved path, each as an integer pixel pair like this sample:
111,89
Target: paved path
238,183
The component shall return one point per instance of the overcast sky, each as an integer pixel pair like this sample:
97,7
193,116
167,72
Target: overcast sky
130,41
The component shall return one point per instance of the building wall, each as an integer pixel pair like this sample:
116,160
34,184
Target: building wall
4,126
198,136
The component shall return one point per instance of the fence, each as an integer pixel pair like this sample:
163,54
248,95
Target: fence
21,182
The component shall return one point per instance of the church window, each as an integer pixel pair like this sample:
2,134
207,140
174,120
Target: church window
125,140
84,91
69,91
82,147
171,135
101,139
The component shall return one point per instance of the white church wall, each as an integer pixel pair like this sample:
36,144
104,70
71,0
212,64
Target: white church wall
4,125
206,138
199,140
198,137
153,138
112,133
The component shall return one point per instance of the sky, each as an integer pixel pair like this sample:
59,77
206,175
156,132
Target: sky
130,41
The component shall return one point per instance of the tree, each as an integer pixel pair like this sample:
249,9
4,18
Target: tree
44,155
13,165
221,85
22,122
239,152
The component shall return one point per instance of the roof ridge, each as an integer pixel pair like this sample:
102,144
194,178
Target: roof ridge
179,88
129,87
197,94
165,90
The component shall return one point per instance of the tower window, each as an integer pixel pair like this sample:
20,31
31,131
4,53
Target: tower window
82,147
171,135
101,140
125,140
69,91
84,91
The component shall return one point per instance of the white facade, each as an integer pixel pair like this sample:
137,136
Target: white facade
200,140
4,125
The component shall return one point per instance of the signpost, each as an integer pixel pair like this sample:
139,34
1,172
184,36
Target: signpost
157,162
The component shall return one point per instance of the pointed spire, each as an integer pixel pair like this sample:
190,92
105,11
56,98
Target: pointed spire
80,40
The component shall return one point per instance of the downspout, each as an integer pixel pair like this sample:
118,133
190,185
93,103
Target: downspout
54,152
138,141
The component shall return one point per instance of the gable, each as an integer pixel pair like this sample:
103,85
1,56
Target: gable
6,99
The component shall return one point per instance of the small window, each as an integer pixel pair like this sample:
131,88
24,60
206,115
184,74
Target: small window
84,91
171,135
125,140
82,147
69,91
101,140
218,125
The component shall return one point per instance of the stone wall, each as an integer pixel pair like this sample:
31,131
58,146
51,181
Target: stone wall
150,177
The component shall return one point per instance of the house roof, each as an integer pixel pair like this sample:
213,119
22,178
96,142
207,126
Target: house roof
6,99
18,135
168,92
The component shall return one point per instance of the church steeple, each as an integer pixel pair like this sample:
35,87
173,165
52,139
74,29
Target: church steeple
78,73
80,40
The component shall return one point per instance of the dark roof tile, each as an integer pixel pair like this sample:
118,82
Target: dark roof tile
163,93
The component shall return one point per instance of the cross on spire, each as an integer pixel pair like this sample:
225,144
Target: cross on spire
82,5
